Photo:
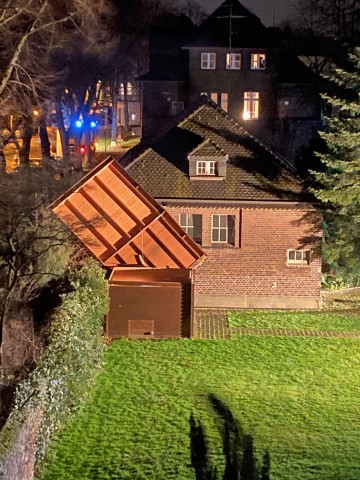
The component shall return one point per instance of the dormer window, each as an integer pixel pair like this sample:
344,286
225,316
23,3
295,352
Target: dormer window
205,168
258,61
208,61
233,61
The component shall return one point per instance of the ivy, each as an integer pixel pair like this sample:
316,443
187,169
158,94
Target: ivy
69,366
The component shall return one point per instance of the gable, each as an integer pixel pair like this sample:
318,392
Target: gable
121,224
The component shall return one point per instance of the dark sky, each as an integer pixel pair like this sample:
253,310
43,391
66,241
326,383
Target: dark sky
266,10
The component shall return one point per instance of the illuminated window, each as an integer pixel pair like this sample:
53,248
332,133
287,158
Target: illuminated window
224,101
205,168
220,99
251,105
258,61
298,257
129,89
223,229
208,61
192,224
233,61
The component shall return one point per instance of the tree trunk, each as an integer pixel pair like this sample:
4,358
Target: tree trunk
64,137
44,139
114,121
126,110
27,134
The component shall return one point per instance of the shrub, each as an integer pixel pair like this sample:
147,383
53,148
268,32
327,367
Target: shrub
73,356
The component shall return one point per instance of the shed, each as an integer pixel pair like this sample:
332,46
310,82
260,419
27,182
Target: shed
149,256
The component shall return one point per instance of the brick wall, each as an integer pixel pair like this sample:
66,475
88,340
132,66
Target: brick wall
255,272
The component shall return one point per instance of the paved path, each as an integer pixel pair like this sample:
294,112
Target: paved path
211,324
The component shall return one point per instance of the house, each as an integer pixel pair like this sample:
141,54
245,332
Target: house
242,203
245,68
205,216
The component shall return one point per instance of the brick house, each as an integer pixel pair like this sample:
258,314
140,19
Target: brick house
242,66
243,204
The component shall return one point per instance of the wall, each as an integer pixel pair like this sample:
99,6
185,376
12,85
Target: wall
157,98
255,273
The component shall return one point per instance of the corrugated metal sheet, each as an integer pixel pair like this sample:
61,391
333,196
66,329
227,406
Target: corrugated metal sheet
123,225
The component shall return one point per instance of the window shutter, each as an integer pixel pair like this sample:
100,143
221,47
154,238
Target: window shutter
197,222
231,229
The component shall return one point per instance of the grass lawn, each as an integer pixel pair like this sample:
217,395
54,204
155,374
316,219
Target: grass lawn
298,397
339,321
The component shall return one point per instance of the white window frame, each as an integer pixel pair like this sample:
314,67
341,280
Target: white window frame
301,256
219,228
258,61
233,61
205,167
208,61
251,105
186,222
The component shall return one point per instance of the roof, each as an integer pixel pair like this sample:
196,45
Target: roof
121,224
246,28
253,172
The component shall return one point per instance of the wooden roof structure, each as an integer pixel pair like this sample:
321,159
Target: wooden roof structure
121,224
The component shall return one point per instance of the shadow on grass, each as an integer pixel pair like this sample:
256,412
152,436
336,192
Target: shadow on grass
238,448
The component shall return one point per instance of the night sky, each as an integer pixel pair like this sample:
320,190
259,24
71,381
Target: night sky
264,9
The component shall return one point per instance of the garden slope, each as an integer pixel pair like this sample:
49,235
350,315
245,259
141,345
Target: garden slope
298,397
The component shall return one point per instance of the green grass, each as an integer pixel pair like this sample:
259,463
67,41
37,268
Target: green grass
298,397
338,321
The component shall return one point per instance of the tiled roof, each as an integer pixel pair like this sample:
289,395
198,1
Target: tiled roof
207,149
253,172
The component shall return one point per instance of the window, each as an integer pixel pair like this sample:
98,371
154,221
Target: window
208,61
258,61
206,168
223,229
224,101
233,61
221,99
251,105
192,224
129,89
176,108
298,257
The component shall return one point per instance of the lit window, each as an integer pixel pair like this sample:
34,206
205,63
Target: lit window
205,168
223,229
233,61
258,61
192,224
129,89
224,101
298,257
221,99
208,61
251,105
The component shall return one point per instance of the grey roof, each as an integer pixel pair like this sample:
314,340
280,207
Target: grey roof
253,172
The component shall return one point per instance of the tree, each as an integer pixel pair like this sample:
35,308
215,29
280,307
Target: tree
45,46
32,240
332,18
338,186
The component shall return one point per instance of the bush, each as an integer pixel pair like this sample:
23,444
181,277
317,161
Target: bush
73,356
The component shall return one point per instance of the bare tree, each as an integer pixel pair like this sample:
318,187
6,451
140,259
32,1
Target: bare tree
32,35
333,18
32,241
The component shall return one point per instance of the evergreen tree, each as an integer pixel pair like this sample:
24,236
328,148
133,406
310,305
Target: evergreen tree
338,185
